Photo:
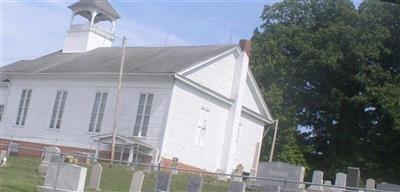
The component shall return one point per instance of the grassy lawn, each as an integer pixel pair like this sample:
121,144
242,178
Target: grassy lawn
21,175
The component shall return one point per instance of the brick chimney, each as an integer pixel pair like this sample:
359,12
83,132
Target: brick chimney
245,45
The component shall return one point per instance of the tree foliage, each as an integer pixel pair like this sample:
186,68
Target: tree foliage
331,73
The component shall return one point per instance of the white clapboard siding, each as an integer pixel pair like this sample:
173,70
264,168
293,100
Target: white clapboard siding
250,133
217,75
181,130
78,107
3,93
250,99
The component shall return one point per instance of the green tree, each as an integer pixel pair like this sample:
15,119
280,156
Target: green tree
332,71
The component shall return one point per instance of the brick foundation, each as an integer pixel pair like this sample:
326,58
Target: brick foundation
168,163
35,148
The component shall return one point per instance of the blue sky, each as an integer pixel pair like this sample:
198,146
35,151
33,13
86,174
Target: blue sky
30,29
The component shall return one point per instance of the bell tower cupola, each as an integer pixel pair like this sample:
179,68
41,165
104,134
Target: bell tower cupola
92,26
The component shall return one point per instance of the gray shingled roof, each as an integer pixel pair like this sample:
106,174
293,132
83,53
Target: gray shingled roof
100,5
107,60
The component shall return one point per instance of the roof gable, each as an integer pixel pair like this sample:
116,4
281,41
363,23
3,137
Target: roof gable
216,74
253,99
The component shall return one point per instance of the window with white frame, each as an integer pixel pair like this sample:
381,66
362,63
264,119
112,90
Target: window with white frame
23,106
1,111
98,112
202,126
58,109
143,115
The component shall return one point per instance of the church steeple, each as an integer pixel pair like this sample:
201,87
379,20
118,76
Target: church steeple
90,34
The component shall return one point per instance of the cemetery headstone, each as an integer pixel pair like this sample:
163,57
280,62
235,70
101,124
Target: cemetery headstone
284,171
175,161
137,182
195,184
64,177
388,186
163,182
95,177
317,178
235,186
220,176
327,188
370,184
239,172
48,152
3,158
353,177
13,149
340,181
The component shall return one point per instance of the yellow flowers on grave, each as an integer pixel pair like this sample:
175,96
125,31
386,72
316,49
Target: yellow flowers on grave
71,159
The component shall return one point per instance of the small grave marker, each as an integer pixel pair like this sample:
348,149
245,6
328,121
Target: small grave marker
3,158
370,184
163,182
353,177
95,177
137,182
175,162
48,152
195,184
317,178
238,173
340,181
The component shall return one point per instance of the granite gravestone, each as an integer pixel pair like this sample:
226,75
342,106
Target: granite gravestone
3,158
195,184
163,182
340,181
327,188
370,184
235,186
64,177
388,187
317,178
175,162
353,177
48,152
238,172
137,182
95,177
13,149
284,171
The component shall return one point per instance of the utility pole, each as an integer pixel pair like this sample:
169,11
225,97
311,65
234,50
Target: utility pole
273,141
117,103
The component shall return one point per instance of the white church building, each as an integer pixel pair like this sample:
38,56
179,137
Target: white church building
199,104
